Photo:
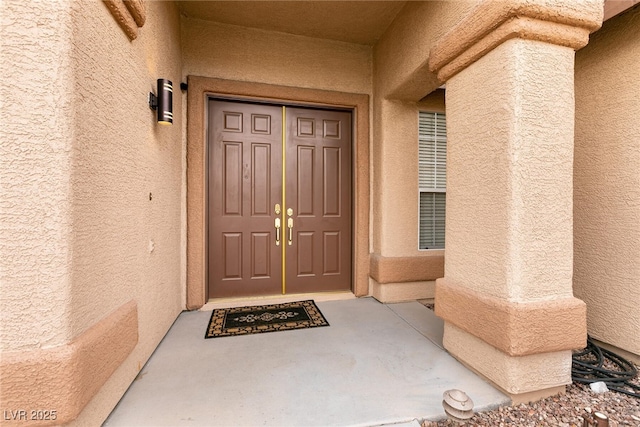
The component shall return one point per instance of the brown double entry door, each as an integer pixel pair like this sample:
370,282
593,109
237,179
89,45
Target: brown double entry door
279,199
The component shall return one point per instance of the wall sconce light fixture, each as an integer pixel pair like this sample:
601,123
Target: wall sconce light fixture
163,102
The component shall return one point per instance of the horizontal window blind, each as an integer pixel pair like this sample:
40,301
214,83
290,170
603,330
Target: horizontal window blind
432,177
432,214
432,151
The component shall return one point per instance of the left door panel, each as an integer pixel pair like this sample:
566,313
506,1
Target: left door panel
245,184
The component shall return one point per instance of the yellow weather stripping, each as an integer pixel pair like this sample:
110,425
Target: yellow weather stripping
284,196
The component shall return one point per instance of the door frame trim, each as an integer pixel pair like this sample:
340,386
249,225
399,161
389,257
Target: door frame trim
199,91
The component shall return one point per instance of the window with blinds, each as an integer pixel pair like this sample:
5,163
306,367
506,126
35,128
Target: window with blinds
432,158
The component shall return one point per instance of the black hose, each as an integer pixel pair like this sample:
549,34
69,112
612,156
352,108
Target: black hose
588,367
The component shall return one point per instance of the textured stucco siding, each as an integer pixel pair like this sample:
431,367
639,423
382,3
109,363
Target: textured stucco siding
400,160
401,79
237,53
402,54
35,165
81,153
509,173
127,169
607,181
509,220
127,182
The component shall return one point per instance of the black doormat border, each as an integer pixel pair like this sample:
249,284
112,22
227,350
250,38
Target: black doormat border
259,319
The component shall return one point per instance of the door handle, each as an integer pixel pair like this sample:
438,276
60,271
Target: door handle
277,231
290,227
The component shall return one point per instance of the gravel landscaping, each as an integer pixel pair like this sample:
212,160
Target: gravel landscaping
565,410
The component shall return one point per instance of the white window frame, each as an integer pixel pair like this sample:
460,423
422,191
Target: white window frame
431,173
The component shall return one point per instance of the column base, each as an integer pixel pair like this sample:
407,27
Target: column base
64,379
523,378
403,291
514,328
534,396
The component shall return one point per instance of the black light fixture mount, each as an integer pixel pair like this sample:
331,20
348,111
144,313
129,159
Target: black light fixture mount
163,102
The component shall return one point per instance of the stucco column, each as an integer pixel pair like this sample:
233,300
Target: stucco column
506,297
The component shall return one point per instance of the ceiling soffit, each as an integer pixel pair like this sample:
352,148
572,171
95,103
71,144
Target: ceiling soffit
360,22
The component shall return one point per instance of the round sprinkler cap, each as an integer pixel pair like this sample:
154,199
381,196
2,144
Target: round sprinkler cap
458,399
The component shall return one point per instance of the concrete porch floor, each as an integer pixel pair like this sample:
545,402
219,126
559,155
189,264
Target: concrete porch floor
376,364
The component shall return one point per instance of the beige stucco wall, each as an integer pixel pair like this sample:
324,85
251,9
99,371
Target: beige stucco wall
401,55
81,153
396,167
128,246
607,182
236,53
395,202
401,80
35,182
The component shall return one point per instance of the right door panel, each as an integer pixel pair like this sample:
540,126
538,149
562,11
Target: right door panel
318,165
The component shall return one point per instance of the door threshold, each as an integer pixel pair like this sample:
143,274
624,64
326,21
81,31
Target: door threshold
275,299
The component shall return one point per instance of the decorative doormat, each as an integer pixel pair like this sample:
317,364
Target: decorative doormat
264,318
